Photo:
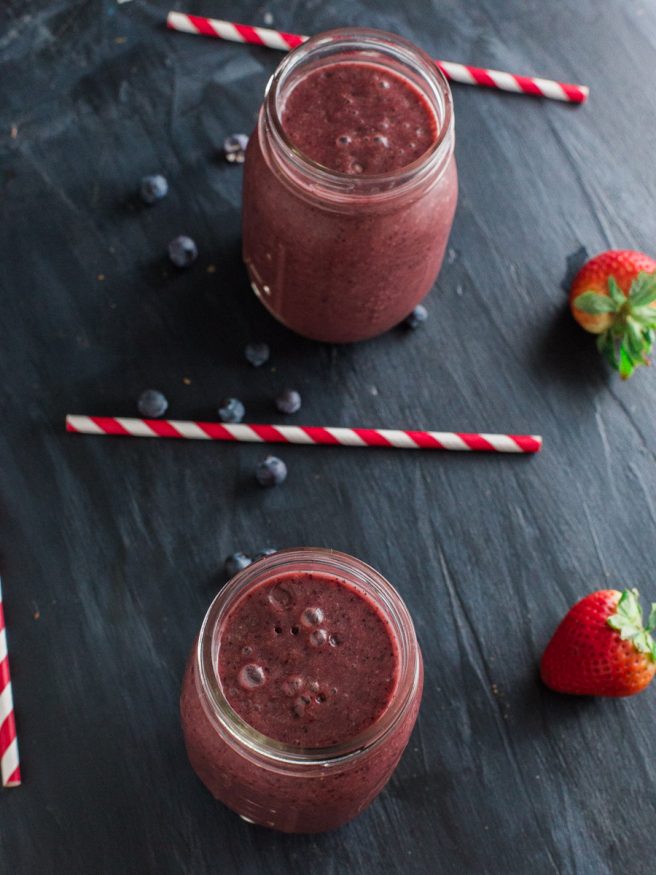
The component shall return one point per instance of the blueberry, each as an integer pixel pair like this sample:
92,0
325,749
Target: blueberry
183,251
272,471
231,410
153,188
152,404
236,562
234,148
415,319
257,353
289,401
262,554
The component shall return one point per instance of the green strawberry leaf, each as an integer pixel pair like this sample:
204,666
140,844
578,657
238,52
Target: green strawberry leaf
617,295
637,343
634,346
629,607
625,628
645,315
594,303
643,642
627,365
651,622
628,621
643,289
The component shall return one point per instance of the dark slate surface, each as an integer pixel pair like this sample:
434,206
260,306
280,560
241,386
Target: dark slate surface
111,550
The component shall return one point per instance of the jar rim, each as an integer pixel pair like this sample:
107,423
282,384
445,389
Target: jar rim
234,729
363,39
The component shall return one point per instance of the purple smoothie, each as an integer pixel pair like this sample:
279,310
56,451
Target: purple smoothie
311,662
358,118
350,189
292,656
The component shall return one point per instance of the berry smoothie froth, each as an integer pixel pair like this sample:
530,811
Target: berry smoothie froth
307,660
359,118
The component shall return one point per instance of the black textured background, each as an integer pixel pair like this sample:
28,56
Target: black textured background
112,549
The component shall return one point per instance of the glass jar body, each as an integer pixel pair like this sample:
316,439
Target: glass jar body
294,790
339,258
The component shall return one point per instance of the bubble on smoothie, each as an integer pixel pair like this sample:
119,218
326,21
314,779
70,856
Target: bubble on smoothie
314,686
320,699
246,650
251,676
292,685
318,637
343,140
356,167
384,123
335,640
312,617
381,139
298,708
280,597
384,83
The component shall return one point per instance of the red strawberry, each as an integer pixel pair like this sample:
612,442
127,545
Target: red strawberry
602,648
614,296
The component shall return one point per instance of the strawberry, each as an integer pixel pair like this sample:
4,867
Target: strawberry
614,296
601,647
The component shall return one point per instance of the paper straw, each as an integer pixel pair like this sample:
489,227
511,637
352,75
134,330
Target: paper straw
304,434
9,763
463,73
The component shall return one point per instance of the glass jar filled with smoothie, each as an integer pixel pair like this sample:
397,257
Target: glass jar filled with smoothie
350,185
301,690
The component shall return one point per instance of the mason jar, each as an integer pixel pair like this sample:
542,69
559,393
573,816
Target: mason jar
338,255
281,785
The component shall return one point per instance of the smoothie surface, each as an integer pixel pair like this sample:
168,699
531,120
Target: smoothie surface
358,118
307,659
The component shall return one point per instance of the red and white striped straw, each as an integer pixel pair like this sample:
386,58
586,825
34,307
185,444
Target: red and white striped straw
304,434
9,763
463,73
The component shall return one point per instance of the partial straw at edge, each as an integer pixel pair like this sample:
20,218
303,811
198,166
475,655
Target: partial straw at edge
9,759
